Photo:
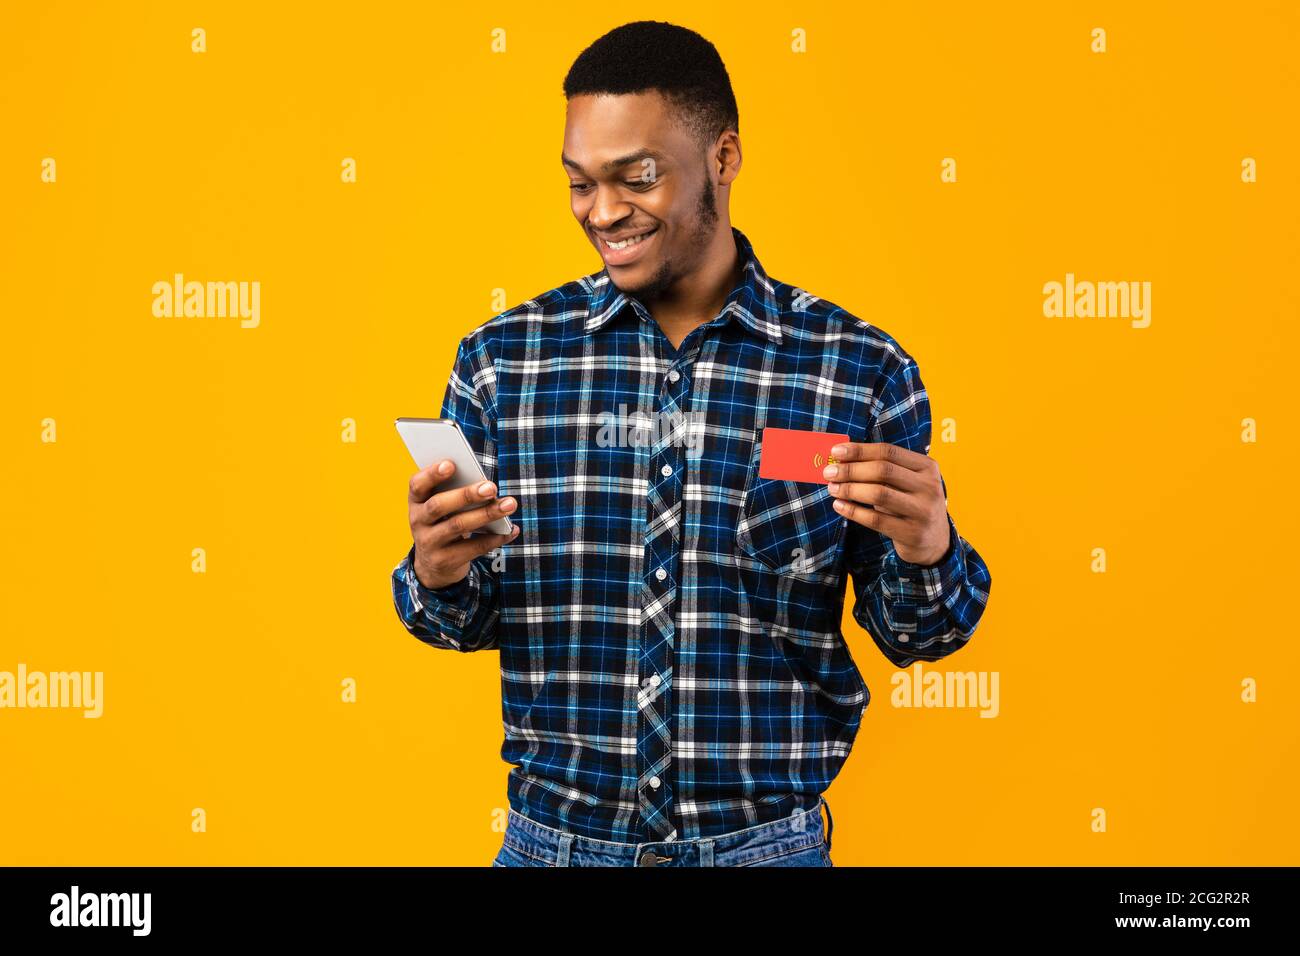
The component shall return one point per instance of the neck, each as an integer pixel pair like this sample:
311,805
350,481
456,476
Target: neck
698,297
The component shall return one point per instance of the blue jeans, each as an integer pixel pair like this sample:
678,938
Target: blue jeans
796,840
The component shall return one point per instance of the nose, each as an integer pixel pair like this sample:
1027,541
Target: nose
607,209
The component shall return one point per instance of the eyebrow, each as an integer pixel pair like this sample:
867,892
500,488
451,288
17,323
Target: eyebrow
640,154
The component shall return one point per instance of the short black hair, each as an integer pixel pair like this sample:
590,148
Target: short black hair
678,63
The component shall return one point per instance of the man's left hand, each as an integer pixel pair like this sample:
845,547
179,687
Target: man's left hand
904,490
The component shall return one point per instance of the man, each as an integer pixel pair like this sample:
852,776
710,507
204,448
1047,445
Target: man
676,689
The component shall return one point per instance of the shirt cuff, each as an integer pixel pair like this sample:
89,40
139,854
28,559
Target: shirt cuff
449,603
930,583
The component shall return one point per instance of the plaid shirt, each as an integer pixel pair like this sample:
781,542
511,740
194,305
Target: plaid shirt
668,622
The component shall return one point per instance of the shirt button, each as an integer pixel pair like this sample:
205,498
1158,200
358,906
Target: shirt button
666,471
654,679
902,638
654,782
673,376
661,574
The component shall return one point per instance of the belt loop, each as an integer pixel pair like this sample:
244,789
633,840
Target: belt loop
566,842
830,824
706,853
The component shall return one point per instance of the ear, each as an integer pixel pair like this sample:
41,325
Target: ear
725,158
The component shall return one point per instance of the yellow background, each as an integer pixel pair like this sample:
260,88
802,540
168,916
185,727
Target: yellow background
222,690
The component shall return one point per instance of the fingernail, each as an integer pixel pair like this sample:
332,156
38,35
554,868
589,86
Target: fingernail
841,505
507,504
486,488
833,487
839,451
830,471
444,468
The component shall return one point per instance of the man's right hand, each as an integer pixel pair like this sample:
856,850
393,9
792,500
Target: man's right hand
442,553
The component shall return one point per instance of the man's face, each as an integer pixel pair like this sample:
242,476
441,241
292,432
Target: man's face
635,174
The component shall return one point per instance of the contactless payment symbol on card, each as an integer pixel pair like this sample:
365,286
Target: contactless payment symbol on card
790,454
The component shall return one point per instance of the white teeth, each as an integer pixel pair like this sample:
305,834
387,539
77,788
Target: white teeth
632,241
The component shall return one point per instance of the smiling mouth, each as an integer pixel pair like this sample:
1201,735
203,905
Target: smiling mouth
626,251
629,242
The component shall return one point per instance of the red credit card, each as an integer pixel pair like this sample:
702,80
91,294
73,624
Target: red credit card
792,455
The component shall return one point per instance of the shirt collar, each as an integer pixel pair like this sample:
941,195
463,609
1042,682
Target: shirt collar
752,301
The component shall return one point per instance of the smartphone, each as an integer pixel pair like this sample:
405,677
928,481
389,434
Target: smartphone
430,440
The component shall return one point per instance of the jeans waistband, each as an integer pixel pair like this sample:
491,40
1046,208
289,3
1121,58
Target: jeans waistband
748,845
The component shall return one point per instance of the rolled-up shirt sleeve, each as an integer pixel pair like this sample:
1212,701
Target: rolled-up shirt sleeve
914,612
459,617
462,616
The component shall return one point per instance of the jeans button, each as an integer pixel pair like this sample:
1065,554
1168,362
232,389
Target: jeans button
647,859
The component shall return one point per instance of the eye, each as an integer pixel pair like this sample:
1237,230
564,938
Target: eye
579,187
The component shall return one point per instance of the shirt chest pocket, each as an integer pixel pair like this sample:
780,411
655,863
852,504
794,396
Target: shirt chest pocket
789,528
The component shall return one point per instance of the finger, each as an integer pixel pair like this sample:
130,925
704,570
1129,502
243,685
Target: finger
447,502
882,451
886,524
882,497
879,471
467,549
426,479
466,522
